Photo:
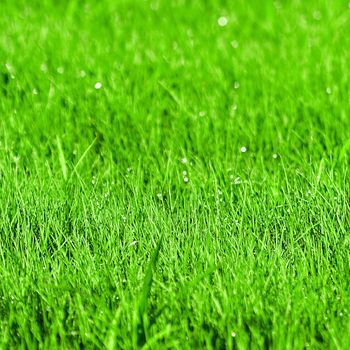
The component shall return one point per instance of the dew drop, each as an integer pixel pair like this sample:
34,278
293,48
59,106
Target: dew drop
222,21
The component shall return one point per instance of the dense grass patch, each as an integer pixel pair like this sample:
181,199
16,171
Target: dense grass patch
174,174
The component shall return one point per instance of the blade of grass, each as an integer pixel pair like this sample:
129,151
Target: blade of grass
62,159
139,327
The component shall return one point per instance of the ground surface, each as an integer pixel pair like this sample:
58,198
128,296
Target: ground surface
198,197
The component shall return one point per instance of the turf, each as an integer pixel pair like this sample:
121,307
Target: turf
174,174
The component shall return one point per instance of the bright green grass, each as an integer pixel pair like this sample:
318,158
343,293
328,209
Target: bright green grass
102,242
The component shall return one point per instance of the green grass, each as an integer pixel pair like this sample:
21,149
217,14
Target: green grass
106,243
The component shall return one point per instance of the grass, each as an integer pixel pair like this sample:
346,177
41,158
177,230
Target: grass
130,215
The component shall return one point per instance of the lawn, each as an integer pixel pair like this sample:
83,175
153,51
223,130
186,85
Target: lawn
174,174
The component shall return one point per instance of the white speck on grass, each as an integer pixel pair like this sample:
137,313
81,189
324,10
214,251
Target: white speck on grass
236,85
234,44
186,179
35,91
202,114
132,243
233,334
341,314
159,195
243,149
222,21
275,156
328,90
98,86
82,74
60,70
184,160
237,181
184,173
43,67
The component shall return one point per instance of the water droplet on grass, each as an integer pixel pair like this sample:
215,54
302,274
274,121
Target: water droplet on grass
186,179
98,86
43,67
222,21
243,149
184,160
237,181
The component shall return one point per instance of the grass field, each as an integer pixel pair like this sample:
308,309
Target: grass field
174,174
